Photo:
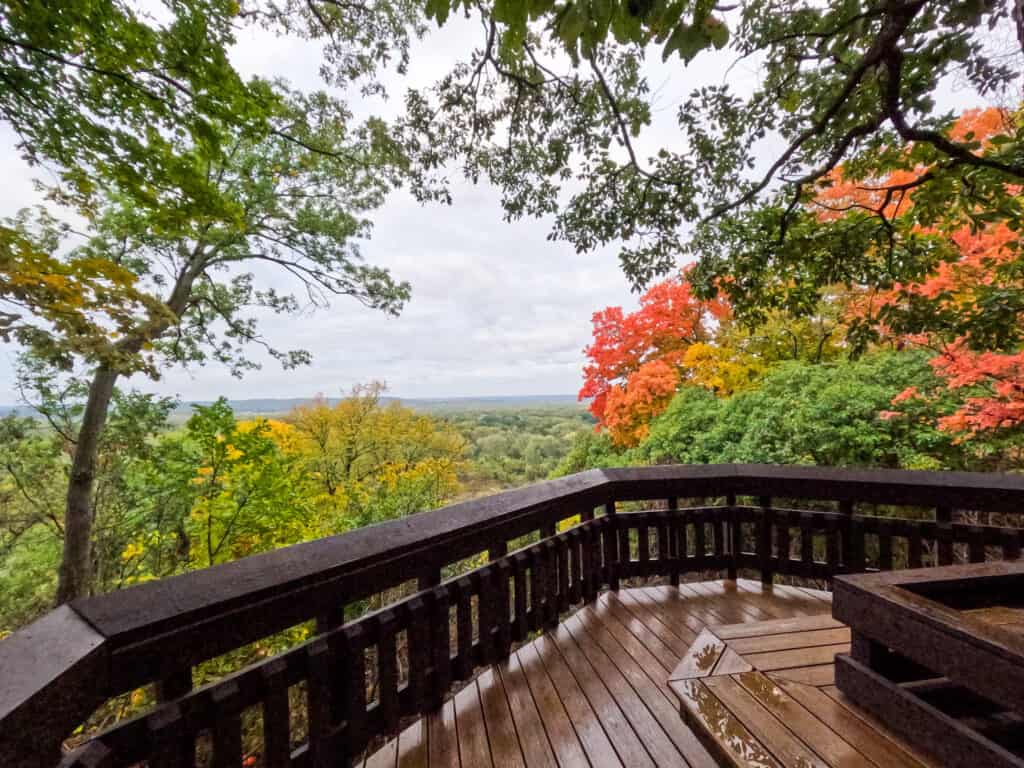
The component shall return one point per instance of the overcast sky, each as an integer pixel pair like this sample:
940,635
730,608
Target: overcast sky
496,309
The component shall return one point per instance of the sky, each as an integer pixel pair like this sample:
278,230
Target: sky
496,308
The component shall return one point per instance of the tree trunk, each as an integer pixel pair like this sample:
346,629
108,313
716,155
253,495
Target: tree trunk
75,566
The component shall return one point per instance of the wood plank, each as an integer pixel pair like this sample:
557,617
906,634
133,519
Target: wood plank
728,738
533,738
609,712
775,737
881,750
385,757
822,674
675,604
632,631
873,722
812,731
797,657
777,626
709,610
727,602
501,732
676,637
731,663
443,740
561,734
588,728
701,658
660,607
808,602
474,749
789,640
653,692
412,745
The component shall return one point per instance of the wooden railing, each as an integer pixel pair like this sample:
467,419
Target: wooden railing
57,671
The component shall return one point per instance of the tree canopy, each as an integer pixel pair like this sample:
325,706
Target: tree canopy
553,104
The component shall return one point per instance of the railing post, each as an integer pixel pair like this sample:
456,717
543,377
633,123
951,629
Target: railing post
764,544
497,551
610,536
735,536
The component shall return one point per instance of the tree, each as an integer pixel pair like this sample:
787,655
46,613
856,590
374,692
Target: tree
832,414
639,360
372,461
636,359
840,82
968,310
295,204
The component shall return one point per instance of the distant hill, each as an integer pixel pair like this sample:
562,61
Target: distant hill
275,405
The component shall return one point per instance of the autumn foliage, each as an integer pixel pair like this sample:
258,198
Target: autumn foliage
967,310
638,359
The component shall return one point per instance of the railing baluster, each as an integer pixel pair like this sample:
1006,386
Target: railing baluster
784,545
463,589
503,574
419,653
643,548
764,539
672,534
857,564
590,547
538,584
1011,544
976,544
914,548
699,539
484,580
884,545
318,704
441,642
944,521
832,546
576,556
387,670
351,658
561,555
664,555
682,542
609,534
276,717
519,625
735,536
172,748
806,544
551,590
227,726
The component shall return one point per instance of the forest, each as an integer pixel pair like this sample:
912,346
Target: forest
826,255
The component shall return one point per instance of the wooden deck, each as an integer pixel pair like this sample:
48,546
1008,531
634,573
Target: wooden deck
595,691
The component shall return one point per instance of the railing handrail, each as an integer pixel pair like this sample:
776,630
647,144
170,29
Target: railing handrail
117,640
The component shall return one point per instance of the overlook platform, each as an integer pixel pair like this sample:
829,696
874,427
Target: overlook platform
598,689
559,649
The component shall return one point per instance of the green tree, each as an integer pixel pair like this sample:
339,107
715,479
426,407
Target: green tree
275,202
834,414
845,81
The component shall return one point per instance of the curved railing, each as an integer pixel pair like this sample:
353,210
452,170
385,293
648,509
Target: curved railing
57,671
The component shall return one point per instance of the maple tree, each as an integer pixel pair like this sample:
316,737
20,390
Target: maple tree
968,308
637,358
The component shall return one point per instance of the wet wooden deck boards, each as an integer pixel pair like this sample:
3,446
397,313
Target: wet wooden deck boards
595,691
763,694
